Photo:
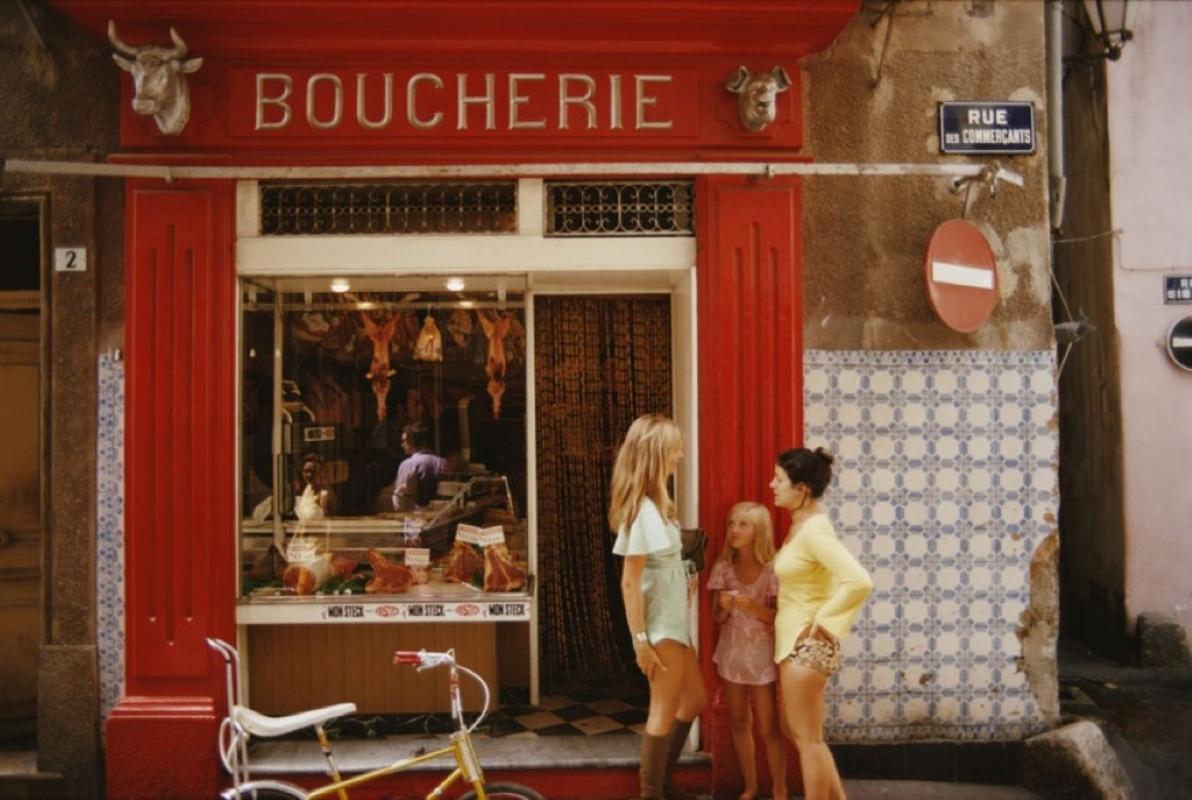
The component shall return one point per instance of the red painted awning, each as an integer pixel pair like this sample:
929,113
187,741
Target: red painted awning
252,29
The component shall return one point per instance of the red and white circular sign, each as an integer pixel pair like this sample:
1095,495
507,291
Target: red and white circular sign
961,276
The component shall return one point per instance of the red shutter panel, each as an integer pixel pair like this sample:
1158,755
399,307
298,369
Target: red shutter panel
750,374
179,457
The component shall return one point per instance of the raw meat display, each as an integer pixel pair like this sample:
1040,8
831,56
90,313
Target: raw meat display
309,575
388,577
503,571
463,562
305,577
342,565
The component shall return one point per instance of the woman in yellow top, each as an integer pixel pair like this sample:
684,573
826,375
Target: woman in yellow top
820,590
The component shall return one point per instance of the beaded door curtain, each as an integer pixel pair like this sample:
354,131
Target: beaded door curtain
600,362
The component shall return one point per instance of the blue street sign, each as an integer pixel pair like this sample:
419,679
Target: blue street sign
987,127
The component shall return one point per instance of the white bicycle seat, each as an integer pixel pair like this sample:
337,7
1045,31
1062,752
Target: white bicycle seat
262,725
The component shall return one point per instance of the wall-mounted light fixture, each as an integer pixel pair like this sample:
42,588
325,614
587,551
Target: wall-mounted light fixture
1110,21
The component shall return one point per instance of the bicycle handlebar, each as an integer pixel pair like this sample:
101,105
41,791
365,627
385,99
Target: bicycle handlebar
423,659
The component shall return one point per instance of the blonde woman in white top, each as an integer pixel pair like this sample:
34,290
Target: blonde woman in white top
656,588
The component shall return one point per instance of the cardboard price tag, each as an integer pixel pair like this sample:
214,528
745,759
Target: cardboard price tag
417,557
481,537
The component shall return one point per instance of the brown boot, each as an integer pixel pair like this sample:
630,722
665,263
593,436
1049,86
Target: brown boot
653,766
678,737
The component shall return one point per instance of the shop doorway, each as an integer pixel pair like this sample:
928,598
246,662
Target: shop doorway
599,363
21,532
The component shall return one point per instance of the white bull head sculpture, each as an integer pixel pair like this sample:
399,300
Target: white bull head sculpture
159,76
757,95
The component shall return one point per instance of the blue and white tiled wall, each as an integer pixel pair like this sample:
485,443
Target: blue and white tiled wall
945,485
109,492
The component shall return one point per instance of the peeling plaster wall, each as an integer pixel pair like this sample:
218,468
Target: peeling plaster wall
947,443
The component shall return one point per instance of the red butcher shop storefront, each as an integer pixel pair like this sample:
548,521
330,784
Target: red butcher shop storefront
482,236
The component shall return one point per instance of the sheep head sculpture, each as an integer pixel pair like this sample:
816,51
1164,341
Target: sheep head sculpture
757,94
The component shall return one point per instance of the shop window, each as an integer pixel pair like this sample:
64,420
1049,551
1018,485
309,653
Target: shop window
383,440
442,208
649,208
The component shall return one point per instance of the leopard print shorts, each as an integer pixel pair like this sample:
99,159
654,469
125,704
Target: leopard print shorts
822,656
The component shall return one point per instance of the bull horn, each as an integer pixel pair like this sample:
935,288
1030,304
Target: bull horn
115,40
179,45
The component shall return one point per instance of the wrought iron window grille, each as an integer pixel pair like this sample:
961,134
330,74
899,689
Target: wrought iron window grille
388,208
605,208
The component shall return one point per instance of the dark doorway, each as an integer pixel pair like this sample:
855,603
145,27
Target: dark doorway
21,531
599,362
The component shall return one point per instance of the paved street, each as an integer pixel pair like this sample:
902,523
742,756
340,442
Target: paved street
1146,714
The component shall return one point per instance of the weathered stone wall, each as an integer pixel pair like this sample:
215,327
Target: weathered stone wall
58,100
947,443
865,237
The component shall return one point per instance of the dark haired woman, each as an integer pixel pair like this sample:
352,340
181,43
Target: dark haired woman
820,590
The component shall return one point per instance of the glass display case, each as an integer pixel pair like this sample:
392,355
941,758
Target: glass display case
383,450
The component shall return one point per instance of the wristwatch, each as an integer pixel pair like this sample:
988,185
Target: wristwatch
640,638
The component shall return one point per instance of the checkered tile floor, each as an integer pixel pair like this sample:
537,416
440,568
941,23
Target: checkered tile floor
578,711
569,711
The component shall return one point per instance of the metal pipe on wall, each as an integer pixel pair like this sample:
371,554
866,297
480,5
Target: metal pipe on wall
1057,177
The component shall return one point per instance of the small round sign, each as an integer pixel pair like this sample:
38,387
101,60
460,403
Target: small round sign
961,276
1179,343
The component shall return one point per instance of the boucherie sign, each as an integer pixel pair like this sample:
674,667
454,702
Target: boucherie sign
460,102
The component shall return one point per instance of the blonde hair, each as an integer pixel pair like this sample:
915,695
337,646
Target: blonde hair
640,470
758,517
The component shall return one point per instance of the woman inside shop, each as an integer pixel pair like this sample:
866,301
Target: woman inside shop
655,586
820,590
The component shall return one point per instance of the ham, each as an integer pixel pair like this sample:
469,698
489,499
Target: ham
305,577
463,562
503,571
388,577
429,345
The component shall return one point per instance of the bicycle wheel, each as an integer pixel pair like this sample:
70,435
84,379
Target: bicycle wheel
506,791
272,791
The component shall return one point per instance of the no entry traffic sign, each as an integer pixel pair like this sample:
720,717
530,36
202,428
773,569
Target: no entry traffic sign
1179,343
961,276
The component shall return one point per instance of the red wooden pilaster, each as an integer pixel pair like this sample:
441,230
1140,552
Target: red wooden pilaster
750,380
179,488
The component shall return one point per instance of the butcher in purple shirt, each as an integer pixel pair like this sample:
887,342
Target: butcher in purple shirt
418,475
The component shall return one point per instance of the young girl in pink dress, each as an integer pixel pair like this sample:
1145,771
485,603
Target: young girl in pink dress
745,601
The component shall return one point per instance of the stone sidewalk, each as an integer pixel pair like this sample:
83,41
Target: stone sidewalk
1145,714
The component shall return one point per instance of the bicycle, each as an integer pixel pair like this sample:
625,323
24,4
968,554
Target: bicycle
242,723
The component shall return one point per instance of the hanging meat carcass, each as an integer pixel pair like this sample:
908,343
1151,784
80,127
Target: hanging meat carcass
379,371
503,571
388,577
495,367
